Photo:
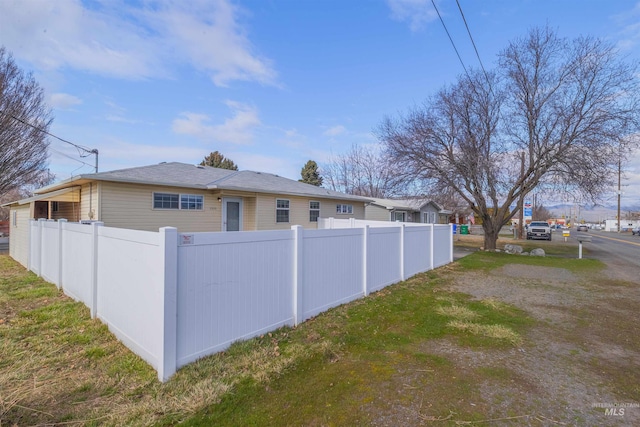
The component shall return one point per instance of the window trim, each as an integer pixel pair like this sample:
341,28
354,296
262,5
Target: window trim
314,210
344,209
402,213
55,206
287,210
180,201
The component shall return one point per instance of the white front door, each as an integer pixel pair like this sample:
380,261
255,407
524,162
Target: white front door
231,214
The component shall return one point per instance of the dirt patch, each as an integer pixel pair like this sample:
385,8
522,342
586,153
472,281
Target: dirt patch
580,354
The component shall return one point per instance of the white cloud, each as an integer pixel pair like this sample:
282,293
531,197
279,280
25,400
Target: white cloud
416,12
63,101
278,165
134,42
629,34
335,130
236,130
213,41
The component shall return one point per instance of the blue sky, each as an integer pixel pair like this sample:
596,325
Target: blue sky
269,83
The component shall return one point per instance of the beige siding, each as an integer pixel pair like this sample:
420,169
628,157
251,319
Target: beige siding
131,206
19,233
67,210
89,205
249,214
299,211
377,213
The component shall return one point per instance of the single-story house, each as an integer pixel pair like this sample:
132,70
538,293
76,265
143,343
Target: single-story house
191,198
411,210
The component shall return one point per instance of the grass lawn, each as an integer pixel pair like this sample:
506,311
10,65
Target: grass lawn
345,367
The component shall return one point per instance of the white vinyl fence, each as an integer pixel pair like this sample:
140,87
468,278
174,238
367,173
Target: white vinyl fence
173,298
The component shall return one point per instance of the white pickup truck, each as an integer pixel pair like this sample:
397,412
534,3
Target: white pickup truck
538,230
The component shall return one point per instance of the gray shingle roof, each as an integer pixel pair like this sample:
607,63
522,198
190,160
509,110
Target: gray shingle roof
205,177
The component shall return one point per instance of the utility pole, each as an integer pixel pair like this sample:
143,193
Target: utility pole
619,189
521,202
95,151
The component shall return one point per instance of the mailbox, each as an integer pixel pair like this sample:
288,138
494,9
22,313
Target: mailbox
583,238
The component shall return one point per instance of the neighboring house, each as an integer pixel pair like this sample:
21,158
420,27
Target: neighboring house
412,210
191,198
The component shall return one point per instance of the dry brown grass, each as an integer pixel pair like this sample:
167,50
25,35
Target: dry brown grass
58,366
500,332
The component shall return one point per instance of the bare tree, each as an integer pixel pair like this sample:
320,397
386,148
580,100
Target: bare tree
24,119
554,113
363,171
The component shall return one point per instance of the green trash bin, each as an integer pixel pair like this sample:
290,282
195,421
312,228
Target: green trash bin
464,229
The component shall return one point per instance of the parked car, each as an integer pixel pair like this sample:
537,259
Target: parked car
636,231
538,230
583,227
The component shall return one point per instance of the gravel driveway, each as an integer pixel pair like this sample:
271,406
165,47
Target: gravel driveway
581,355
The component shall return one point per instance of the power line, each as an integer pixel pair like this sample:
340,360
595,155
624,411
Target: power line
450,39
69,157
486,76
88,151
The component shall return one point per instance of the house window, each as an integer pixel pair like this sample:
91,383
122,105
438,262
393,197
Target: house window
429,217
282,210
344,209
398,216
178,201
191,202
54,206
314,211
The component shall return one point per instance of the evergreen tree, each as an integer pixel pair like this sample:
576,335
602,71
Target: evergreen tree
217,160
310,174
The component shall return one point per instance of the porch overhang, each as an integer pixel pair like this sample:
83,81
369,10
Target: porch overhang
69,194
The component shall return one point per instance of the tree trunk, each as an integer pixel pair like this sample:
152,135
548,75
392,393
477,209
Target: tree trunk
490,236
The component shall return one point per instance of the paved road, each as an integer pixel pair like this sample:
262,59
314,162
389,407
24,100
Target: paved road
620,251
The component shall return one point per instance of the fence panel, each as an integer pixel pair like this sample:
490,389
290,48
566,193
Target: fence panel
336,223
383,257
231,286
227,286
131,289
77,262
417,250
50,264
35,247
442,244
332,269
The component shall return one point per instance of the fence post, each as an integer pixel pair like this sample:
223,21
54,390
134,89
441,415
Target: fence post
41,222
352,223
298,235
31,224
431,246
451,244
331,222
60,252
402,228
169,255
93,308
365,240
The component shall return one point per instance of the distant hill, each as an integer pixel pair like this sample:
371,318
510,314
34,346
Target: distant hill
593,213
